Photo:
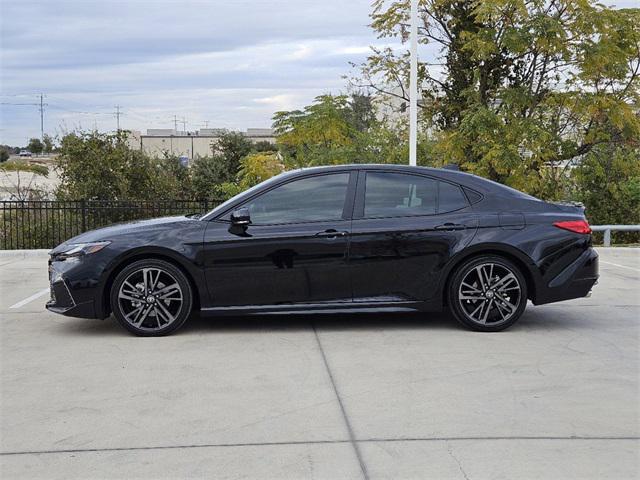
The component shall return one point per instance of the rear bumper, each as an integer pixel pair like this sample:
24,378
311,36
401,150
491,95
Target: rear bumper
575,281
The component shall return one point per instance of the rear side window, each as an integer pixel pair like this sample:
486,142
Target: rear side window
399,194
450,198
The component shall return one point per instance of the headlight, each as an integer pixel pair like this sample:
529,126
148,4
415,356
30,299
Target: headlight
74,250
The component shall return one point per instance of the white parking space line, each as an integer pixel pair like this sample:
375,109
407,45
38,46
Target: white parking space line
30,299
621,266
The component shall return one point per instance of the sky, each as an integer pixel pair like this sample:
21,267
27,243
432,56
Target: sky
215,63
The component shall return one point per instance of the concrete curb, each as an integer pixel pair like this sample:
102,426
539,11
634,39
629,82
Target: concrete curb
24,253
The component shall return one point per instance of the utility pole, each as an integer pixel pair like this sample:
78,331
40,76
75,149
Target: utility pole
117,114
413,86
175,123
184,124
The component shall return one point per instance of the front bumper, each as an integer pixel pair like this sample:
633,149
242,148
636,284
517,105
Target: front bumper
575,281
66,298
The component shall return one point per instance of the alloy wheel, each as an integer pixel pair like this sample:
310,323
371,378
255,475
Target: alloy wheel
490,294
150,299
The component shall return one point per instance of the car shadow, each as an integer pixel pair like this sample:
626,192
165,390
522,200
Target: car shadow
538,319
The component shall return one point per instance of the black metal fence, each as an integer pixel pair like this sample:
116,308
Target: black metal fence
45,224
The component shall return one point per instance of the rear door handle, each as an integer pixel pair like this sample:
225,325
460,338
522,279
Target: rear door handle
331,233
450,226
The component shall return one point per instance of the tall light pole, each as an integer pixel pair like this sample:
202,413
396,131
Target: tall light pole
41,118
413,87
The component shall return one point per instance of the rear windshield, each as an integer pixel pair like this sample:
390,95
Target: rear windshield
512,191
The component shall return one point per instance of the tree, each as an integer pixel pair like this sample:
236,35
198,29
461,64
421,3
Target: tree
335,129
98,166
48,143
207,173
4,154
229,149
35,146
338,129
254,169
608,183
317,135
264,146
518,86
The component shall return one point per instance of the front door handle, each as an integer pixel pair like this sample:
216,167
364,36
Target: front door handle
450,226
330,233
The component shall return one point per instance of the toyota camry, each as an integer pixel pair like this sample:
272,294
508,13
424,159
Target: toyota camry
342,238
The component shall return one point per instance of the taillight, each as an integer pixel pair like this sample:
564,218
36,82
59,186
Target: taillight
576,226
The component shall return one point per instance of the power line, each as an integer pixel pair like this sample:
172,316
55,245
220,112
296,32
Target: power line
40,106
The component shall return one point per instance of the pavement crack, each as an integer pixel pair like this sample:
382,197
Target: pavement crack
452,455
352,437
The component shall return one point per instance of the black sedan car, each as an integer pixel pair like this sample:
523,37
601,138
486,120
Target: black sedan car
357,238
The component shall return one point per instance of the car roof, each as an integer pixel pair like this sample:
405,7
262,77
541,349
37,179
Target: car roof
466,179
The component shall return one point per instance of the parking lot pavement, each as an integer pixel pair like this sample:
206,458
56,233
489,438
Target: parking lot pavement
323,396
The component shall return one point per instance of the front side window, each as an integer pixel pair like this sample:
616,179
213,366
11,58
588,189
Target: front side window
310,199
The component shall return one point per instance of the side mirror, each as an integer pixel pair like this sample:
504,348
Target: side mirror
241,217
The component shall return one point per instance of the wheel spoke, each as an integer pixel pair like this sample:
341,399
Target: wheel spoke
124,296
130,289
479,307
471,297
144,315
471,288
505,282
159,316
512,308
154,281
500,309
168,291
165,313
136,313
485,315
481,279
145,281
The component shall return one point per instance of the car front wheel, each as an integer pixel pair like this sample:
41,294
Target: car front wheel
151,297
487,293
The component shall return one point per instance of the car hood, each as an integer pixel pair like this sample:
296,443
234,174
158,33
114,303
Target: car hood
119,229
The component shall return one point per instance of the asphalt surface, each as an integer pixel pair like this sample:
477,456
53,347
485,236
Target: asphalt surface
324,396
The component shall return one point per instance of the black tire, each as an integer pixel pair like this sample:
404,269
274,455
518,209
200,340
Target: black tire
499,298
160,306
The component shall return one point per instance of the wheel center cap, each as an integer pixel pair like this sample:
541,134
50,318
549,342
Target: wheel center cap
151,299
489,294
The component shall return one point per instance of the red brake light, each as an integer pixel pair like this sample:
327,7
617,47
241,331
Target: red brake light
576,226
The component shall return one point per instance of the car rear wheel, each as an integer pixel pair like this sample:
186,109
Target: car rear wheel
151,298
487,293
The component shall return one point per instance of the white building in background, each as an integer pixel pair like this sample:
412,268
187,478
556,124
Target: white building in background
158,142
